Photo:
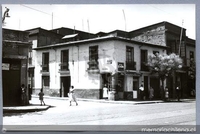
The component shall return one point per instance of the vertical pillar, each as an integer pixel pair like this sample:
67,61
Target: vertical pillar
112,93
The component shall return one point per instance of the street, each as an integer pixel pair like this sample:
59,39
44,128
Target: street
94,113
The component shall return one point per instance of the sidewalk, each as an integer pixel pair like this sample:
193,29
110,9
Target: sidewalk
35,106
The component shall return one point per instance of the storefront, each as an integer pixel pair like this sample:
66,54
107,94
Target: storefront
14,66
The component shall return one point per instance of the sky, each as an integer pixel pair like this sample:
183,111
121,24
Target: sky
100,17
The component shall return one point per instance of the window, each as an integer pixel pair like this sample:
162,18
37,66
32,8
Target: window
144,60
45,81
130,64
93,53
191,58
191,55
64,60
45,62
93,58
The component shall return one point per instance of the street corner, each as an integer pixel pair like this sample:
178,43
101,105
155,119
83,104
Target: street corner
24,109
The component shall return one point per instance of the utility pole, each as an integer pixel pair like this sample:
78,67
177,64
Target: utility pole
180,39
124,19
52,20
88,28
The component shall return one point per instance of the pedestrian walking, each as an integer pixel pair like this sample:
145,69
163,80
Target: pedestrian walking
72,96
151,93
105,92
141,92
178,88
41,97
166,94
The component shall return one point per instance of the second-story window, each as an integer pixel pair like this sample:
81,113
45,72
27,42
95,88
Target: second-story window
93,57
30,55
130,64
64,60
191,57
45,62
93,53
144,59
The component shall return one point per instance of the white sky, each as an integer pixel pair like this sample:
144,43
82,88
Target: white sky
102,17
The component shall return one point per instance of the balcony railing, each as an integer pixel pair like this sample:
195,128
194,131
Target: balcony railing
64,66
144,67
93,65
45,68
130,65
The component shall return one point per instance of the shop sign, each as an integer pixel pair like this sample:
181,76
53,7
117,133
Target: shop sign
15,67
120,66
5,66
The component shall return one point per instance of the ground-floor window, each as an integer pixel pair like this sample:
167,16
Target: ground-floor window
45,81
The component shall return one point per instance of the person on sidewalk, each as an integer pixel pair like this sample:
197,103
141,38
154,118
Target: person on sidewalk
105,92
23,94
72,96
151,93
178,88
41,97
141,92
166,94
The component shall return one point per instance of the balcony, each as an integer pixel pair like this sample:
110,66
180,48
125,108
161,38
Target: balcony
144,67
93,66
64,66
45,68
130,65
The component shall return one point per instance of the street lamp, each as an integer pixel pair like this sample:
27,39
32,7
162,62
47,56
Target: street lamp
5,14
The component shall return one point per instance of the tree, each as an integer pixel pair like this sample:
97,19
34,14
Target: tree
164,65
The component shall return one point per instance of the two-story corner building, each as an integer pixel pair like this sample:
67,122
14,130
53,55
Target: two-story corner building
39,37
42,37
14,65
174,37
89,64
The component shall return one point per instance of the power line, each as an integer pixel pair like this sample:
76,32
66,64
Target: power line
35,9
162,10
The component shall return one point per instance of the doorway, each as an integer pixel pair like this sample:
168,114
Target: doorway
146,91
64,85
155,84
11,83
106,79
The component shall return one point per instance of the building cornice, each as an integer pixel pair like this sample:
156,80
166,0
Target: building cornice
105,38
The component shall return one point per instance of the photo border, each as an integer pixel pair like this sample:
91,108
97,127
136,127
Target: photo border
196,2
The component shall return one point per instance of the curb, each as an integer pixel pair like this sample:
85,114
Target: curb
23,109
36,107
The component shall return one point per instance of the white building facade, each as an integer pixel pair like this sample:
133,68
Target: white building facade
90,64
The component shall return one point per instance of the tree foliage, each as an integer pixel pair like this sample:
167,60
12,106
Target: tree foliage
164,64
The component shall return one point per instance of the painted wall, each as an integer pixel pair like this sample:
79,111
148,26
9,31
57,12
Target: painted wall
153,36
110,53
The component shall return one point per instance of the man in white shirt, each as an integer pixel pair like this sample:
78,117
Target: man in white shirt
141,92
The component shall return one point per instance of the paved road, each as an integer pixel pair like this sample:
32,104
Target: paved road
93,113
